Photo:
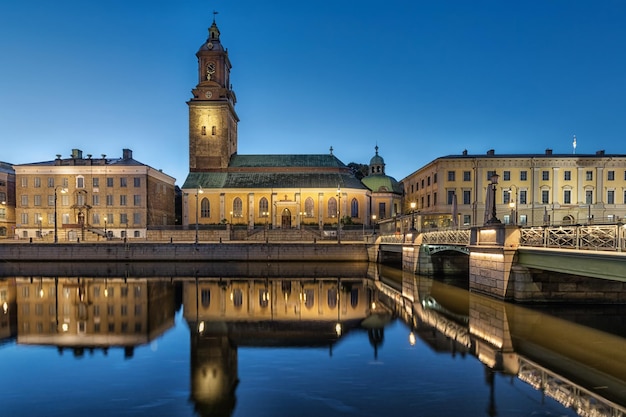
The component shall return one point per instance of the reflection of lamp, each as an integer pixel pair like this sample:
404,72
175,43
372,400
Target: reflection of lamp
413,204
56,235
40,232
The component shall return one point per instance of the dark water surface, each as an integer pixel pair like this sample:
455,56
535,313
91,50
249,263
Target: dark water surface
262,339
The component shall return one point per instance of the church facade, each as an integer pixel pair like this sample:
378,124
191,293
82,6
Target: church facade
277,191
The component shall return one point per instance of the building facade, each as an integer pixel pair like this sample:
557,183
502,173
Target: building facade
80,198
280,191
7,200
531,189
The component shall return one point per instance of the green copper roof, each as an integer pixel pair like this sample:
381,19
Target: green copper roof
382,183
285,161
272,180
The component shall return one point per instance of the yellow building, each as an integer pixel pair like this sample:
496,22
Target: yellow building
280,191
81,198
531,189
7,200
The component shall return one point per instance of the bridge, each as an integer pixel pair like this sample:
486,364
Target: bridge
520,263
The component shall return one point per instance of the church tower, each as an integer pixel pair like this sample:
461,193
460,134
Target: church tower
212,117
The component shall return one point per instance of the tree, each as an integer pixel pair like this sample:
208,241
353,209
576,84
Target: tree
359,170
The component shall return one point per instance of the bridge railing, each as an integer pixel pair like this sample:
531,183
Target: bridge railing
452,237
600,237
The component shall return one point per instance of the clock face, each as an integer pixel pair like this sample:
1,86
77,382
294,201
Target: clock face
209,45
208,94
210,67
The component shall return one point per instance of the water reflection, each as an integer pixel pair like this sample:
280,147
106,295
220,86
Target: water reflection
89,307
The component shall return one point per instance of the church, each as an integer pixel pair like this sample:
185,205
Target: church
277,191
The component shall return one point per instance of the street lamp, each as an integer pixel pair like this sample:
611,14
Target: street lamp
339,215
413,204
40,232
106,236
374,221
494,183
56,234
513,205
198,191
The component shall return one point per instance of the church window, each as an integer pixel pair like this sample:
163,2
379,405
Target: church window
332,207
264,207
205,294
237,207
308,207
382,210
332,298
204,130
237,297
354,208
205,208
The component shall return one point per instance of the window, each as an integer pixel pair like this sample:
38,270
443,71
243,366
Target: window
506,176
205,297
137,182
382,210
467,175
109,182
264,298
434,199
522,197
610,197
467,197
523,219
123,182
545,175
136,200
80,182
136,219
450,197
332,298
123,218
37,182
65,200
545,196
237,297
589,175
237,207
309,298
37,200
354,297
523,175
490,174
80,199
467,219
65,182
24,218
96,218
589,197
122,200
109,199
65,218
205,208
354,208
50,182
308,207
332,207
25,182
451,175
567,175
95,182
506,196
567,197
264,207
610,176
428,200
427,180
95,199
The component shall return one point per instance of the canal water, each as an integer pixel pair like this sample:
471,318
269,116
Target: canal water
294,339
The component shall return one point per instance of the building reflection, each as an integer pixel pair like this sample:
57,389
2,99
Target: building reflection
93,313
224,314
8,310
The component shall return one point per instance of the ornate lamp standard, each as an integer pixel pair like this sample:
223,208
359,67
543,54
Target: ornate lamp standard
513,205
198,191
494,183
413,204
374,221
106,236
56,233
339,215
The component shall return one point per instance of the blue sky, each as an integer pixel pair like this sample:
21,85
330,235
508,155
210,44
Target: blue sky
420,79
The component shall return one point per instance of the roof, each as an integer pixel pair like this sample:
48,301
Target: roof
263,179
382,183
286,161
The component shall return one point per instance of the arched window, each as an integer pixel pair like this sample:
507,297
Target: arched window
237,207
309,298
354,297
264,297
264,208
206,298
332,298
354,208
332,207
205,208
309,204
237,297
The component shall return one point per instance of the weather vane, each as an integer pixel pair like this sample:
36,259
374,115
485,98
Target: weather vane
214,13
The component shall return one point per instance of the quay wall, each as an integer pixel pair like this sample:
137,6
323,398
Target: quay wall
201,252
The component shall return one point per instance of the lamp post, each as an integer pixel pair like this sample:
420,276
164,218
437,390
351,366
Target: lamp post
413,204
56,233
40,232
513,205
198,192
106,236
339,215
494,183
374,221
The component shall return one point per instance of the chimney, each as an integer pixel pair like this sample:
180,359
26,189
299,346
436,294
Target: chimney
600,152
491,152
548,151
464,152
127,154
77,154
